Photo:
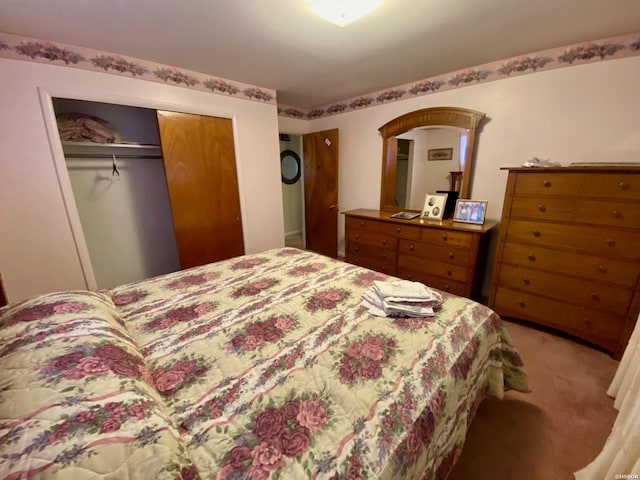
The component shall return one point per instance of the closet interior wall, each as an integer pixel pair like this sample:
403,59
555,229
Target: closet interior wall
126,219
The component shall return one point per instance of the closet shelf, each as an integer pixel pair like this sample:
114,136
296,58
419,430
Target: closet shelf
93,150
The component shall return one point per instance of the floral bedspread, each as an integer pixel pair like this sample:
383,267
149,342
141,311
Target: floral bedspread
262,366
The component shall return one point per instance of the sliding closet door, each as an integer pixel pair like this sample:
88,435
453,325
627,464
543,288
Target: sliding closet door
200,167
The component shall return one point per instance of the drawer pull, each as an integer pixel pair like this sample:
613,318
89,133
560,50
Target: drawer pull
398,229
526,281
357,236
602,268
617,214
412,247
531,257
362,224
384,242
542,208
447,288
522,304
547,183
451,255
444,237
449,272
623,186
384,255
357,248
536,233
594,296
409,277
611,242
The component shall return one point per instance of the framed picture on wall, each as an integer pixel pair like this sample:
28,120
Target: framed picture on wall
470,211
434,204
440,154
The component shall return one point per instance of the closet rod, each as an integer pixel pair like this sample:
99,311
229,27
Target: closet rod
97,156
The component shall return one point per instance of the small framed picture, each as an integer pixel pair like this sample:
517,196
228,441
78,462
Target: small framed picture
440,154
470,211
434,204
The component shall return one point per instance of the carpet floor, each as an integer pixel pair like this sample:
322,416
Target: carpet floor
557,428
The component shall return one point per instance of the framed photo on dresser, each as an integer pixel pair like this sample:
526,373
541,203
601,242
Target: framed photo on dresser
470,211
434,204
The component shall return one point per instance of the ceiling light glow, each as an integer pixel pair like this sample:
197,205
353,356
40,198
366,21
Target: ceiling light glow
342,12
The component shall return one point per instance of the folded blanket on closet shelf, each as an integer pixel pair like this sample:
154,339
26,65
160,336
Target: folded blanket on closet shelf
401,299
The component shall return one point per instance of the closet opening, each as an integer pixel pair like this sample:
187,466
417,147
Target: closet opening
116,170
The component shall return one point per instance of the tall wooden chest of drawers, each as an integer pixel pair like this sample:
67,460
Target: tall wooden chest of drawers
568,254
447,255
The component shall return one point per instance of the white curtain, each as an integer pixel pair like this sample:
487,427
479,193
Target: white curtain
621,452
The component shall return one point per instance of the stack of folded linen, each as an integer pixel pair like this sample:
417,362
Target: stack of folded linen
401,298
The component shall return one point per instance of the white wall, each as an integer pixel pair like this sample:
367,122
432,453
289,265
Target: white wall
582,113
38,252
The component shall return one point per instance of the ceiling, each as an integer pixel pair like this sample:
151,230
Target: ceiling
278,44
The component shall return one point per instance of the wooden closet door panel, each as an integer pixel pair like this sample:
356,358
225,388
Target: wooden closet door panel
200,166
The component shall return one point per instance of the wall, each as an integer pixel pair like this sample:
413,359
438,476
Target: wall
38,252
584,113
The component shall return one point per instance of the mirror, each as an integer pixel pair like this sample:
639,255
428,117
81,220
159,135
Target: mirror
289,167
427,151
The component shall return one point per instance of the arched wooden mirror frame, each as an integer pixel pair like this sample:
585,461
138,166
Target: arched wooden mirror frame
438,116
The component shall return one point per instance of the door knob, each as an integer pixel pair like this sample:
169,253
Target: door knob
333,206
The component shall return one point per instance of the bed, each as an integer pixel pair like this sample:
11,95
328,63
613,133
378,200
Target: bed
261,366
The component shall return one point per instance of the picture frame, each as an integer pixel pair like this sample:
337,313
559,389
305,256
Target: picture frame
470,211
434,206
439,154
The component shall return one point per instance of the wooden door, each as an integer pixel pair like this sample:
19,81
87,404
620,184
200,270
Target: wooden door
321,191
200,166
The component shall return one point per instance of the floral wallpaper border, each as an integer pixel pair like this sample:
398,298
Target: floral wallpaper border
43,51
588,52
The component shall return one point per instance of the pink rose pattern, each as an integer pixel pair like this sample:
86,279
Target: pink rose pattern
262,332
37,313
397,422
91,361
248,264
303,270
179,315
192,280
364,358
276,435
326,299
97,418
170,378
254,288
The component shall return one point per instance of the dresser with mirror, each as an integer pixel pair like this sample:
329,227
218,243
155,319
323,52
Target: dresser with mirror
425,151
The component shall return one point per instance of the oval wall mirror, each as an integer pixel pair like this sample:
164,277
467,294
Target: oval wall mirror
290,166
427,151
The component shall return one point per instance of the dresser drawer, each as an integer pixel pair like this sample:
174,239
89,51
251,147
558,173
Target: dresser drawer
364,237
442,253
361,225
446,285
586,266
433,267
603,185
374,258
601,328
596,240
447,237
598,212
575,290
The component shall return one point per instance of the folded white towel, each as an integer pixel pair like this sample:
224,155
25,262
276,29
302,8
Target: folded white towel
401,299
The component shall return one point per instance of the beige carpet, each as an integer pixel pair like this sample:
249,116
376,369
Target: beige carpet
551,432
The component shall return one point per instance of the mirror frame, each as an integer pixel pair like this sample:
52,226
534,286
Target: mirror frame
437,116
290,153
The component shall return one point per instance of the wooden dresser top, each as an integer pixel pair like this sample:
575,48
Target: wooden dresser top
421,222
